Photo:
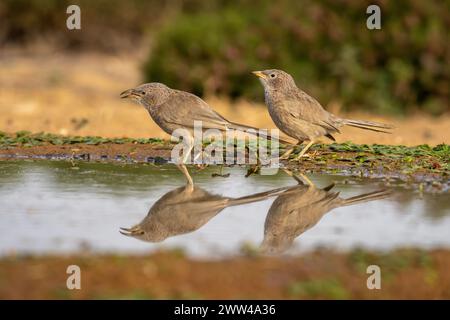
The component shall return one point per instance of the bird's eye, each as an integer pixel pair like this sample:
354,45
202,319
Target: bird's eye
272,75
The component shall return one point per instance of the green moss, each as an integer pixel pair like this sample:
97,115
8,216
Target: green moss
62,293
392,263
132,295
334,157
318,288
28,139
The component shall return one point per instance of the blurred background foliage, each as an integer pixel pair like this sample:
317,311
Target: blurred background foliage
210,47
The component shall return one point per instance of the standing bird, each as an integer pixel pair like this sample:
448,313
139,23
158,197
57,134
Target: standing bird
299,115
174,109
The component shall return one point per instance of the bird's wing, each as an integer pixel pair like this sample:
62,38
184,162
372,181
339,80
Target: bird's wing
184,108
300,210
302,106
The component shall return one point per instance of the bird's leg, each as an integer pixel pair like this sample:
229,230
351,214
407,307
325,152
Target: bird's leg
306,180
300,178
190,182
190,146
202,165
198,155
182,166
288,152
304,150
253,168
291,174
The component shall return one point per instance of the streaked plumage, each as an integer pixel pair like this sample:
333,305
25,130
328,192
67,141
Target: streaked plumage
299,115
174,109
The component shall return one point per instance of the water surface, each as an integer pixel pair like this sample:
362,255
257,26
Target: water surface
62,207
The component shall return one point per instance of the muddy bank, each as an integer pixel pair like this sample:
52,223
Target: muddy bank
405,274
109,152
412,164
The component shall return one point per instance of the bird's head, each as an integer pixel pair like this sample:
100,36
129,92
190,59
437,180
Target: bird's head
274,79
274,244
148,231
148,94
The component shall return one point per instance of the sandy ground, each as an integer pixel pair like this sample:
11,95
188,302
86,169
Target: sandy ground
78,94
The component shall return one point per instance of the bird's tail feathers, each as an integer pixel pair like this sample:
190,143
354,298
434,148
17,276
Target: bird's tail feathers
258,196
256,132
369,125
375,195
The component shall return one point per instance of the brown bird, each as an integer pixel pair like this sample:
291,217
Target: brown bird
174,109
185,210
299,115
300,208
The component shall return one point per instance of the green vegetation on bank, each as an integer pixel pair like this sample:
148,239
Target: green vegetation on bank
28,139
106,25
440,151
404,159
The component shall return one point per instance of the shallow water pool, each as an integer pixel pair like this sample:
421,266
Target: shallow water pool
61,207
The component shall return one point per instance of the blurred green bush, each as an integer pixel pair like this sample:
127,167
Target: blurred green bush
210,47
324,44
106,25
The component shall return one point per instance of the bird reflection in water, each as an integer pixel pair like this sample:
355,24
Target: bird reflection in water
185,210
300,208
295,210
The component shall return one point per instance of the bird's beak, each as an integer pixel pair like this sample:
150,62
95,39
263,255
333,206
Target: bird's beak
259,74
128,93
131,231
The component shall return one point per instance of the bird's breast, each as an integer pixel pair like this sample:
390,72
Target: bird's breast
286,121
161,121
